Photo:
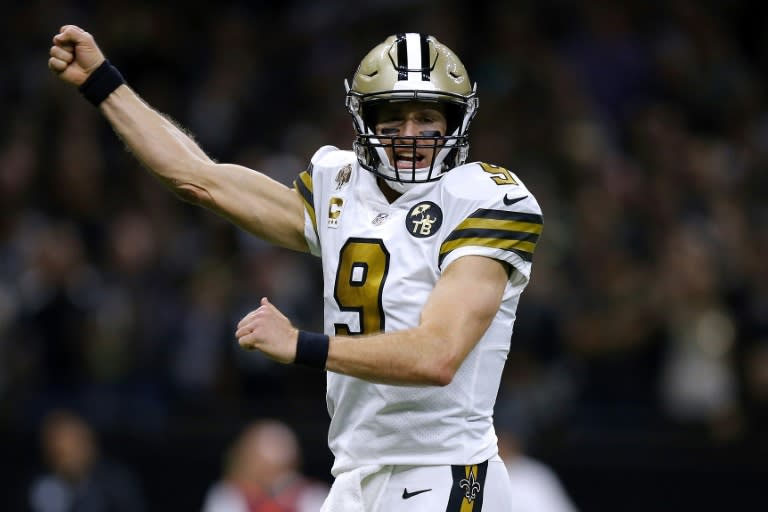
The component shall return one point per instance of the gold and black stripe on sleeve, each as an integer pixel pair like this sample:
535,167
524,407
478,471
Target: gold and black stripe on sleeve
497,229
303,184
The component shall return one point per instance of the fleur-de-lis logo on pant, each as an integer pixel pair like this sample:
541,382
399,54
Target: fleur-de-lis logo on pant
467,489
470,486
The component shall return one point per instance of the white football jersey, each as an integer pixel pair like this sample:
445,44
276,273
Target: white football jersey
380,263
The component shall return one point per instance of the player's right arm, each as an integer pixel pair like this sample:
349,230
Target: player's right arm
250,199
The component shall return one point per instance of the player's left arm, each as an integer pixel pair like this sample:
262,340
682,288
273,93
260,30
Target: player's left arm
452,322
457,313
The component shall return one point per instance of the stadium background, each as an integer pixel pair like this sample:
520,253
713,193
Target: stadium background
639,366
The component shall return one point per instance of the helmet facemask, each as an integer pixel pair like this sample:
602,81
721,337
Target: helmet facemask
441,84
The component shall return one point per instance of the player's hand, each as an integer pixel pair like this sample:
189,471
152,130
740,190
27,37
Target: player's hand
267,330
74,55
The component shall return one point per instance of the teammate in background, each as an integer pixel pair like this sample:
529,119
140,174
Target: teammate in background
535,487
262,474
79,478
424,260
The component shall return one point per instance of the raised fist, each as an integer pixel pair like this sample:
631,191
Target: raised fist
74,55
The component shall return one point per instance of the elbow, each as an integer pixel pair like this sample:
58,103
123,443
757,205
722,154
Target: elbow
442,378
442,369
191,193
189,182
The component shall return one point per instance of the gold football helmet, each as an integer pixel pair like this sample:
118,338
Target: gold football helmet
411,67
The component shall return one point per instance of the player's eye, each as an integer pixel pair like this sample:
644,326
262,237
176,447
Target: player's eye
389,131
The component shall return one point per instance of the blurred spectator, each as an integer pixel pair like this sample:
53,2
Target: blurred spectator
79,478
756,390
262,474
698,379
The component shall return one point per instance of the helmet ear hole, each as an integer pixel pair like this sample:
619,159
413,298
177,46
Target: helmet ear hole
454,115
371,112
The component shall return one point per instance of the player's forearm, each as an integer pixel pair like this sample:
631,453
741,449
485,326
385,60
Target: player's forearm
413,357
156,142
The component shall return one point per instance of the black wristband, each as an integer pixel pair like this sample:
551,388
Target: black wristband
312,349
105,79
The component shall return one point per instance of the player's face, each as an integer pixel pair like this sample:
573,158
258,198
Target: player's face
411,119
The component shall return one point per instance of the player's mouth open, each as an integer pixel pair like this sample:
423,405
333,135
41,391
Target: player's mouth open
406,161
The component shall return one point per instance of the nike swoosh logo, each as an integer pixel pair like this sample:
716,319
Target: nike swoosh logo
510,202
407,494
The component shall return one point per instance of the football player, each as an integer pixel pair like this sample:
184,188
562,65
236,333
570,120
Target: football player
424,259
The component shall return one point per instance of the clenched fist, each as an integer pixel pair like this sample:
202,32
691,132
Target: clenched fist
267,330
74,55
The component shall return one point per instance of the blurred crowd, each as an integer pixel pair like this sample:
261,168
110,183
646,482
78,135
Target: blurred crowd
641,127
